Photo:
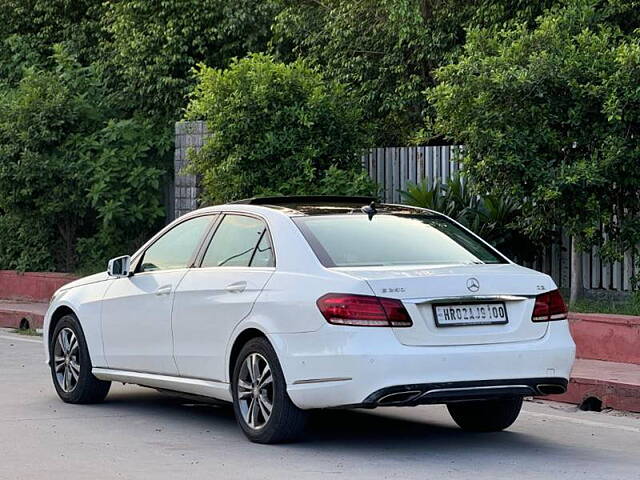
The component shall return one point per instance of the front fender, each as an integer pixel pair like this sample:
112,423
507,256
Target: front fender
86,303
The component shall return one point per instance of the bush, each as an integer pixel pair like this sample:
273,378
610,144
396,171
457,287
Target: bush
26,243
276,129
69,171
125,191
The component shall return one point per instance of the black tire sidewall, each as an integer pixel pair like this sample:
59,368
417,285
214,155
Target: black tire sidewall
280,398
85,377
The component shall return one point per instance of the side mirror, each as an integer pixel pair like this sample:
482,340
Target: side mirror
119,266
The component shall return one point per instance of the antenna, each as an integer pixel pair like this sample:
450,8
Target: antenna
370,210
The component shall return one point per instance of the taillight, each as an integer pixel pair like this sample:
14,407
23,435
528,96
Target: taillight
363,311
549,306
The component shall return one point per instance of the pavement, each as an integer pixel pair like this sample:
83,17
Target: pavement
139,433
615,385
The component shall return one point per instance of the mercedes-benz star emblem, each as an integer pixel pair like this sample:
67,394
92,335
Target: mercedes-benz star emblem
473,285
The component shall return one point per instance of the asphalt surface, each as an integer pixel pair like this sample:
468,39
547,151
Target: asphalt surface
139,433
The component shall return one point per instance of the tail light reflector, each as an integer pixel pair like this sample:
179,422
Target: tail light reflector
549,306
363,311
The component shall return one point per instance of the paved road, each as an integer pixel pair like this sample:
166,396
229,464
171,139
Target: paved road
141,434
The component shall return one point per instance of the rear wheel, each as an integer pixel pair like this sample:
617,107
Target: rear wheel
261,404
71,365
486,415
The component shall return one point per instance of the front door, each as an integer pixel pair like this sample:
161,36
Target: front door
136,310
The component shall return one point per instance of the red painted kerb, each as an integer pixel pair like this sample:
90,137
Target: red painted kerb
612,338
31,286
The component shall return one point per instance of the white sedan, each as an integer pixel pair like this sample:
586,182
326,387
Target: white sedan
287,304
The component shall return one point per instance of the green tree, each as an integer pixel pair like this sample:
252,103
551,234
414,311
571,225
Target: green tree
69,172
385,51
276,129
550,115
31,28
157,43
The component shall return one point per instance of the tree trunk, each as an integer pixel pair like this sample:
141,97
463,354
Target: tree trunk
67,231
577,288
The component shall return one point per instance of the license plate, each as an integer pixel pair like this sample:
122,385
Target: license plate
456,315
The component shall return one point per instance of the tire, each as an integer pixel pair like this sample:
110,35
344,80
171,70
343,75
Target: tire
486,415
285,422
73,365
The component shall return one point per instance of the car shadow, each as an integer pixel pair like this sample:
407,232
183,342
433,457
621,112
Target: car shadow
401,431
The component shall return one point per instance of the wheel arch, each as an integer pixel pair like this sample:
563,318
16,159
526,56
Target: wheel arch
240,340
56,316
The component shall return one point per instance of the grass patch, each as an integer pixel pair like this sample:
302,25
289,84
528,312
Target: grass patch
30,332
629,306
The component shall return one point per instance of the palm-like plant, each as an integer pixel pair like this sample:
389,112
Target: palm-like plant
492,217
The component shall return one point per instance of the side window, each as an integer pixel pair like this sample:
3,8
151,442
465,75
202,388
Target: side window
240,241
176,247
264,253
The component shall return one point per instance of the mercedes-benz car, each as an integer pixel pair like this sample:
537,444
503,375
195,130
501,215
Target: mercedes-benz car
284,305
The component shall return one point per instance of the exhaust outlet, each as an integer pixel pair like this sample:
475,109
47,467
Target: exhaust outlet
399,397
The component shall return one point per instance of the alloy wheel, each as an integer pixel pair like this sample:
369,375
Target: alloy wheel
66,360
255,391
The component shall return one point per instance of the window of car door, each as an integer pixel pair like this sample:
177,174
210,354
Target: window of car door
176,248
240,241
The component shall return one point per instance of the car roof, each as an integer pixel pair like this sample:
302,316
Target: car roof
306,205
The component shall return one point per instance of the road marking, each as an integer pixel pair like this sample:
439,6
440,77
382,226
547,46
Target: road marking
30,340
582,421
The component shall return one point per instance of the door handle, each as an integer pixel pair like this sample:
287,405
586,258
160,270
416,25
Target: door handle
236,287
164,290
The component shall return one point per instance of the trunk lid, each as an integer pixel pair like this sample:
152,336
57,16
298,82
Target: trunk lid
420,288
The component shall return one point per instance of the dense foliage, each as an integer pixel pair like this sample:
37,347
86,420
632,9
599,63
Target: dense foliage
69,174
157,43
543,95
89,93
385,51
276,128
31,29
552,116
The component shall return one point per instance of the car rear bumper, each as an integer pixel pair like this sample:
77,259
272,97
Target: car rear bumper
430,393
350,366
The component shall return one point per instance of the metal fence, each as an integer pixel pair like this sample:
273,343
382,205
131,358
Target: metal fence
393,168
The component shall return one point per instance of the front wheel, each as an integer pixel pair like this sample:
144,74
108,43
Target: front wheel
485,415
261,404
71,365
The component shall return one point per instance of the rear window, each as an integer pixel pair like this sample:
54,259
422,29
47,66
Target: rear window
385,240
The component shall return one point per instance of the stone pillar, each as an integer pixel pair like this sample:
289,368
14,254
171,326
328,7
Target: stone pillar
189,136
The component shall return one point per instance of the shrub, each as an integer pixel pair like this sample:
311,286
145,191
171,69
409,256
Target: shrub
276,128
494,218
69,171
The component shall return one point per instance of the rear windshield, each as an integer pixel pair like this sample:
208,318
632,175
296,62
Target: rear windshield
356,241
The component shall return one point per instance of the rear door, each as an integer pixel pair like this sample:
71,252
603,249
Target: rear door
212,299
